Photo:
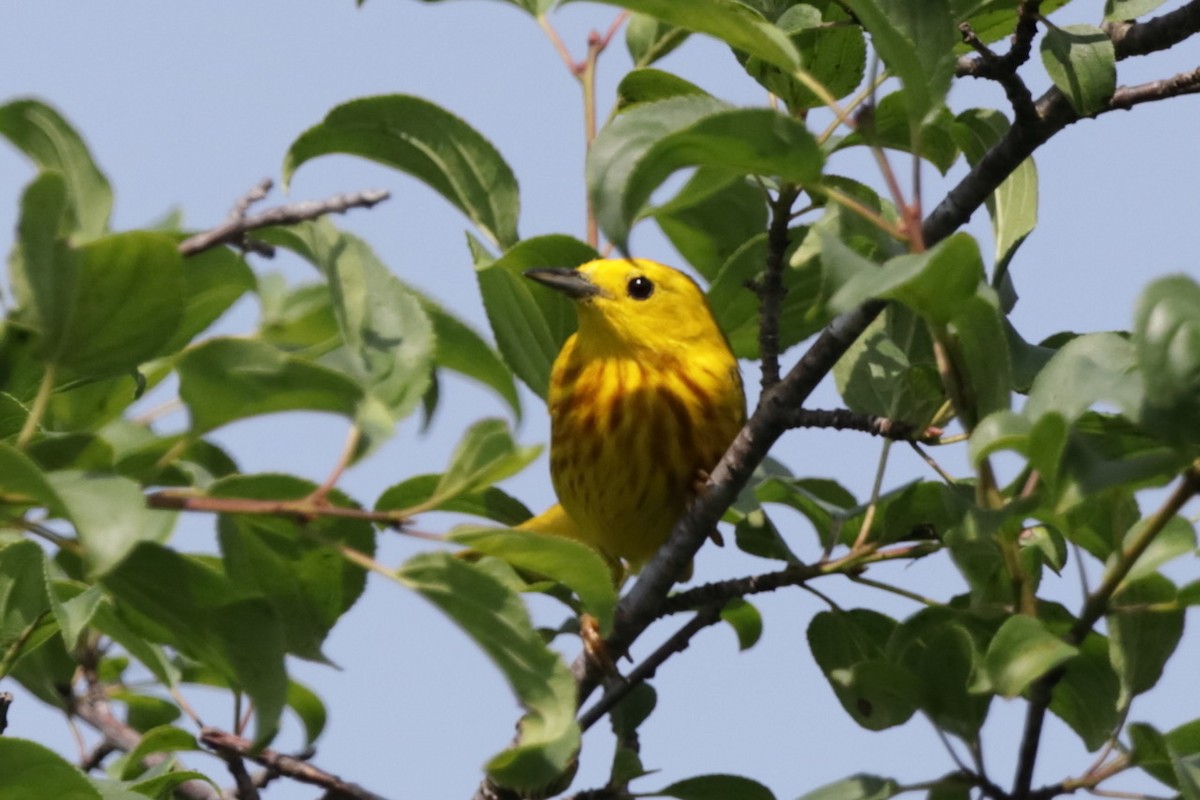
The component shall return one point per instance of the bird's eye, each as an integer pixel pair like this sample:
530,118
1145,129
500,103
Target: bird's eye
640,288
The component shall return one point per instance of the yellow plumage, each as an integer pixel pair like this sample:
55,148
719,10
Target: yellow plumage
644,400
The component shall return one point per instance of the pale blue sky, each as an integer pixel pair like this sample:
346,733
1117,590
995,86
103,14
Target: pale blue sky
188,104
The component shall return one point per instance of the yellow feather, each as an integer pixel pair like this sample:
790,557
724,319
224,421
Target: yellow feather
644,399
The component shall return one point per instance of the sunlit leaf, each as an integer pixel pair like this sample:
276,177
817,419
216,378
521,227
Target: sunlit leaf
429,143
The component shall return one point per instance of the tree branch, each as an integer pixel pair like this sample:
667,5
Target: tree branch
227,745
234,229
770,288
6,700
842,419
1127,97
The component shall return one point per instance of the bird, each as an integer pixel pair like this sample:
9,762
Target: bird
644,399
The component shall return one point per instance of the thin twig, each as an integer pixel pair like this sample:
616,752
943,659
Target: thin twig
234,230
226,744
1094,607
303,510
869,517
677,643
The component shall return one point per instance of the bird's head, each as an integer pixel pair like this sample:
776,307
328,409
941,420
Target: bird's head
634,303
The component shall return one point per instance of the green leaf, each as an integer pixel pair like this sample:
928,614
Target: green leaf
160,785
223,380
294,566
647,85
728,20
1167,338
1090,369
73,607
856,787
916,41
849,648
486,454
649,39
530,323
573,564
460,348
388,336
746,621
144,712
1142,639
22,482
31,770
489,502
1022,651
1086,697
110,515
890,370
1119,10
308,708
735,306
1177,538
757,535
1082,62
739,142
716,787
891,126
825,503
711,218
43,135
429,143
212,281
105,307
992,20
832,52
24,601
1013,206
164,739
184,602
495,618
935,283
936,646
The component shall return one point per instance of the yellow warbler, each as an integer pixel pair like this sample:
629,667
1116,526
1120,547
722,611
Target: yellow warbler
644,400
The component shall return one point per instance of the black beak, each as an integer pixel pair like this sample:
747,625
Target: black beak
572,283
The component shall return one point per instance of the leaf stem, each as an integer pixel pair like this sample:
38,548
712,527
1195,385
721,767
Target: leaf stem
40,401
